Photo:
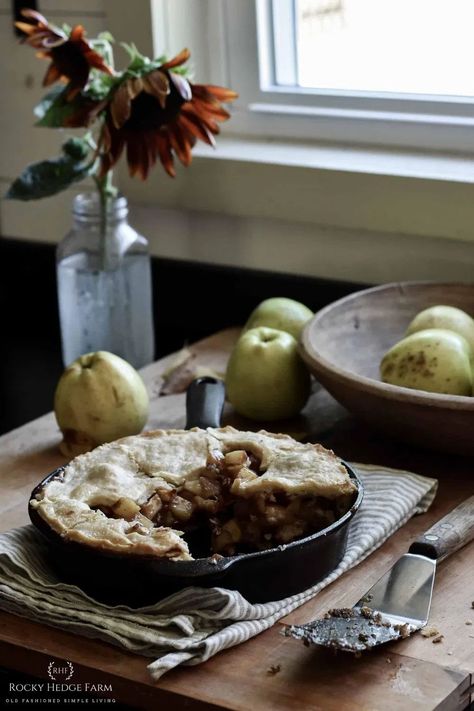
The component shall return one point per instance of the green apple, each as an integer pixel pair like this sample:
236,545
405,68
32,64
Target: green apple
99,397
444,317
436,360
280,313
266,378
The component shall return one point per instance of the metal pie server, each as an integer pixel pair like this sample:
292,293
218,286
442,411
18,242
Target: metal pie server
399,603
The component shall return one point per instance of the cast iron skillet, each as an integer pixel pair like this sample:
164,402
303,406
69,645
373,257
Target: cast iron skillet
139,580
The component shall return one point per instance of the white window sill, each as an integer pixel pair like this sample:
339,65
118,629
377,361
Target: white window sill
356,188
342,158
352,213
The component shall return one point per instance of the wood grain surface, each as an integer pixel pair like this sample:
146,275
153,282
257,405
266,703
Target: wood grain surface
270,671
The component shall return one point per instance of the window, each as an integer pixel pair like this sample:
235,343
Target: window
396,46
392,72
368,214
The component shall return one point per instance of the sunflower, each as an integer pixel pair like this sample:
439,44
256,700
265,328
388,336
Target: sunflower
159,114
72,57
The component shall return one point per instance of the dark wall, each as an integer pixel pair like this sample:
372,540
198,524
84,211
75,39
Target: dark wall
190,301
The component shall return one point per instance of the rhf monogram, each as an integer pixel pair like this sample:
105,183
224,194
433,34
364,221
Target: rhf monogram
60,672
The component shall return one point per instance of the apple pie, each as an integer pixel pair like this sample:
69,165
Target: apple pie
250,490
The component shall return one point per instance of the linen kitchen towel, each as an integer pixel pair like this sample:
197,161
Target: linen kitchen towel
196,623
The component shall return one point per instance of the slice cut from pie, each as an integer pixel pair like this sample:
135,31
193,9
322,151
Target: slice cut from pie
252,490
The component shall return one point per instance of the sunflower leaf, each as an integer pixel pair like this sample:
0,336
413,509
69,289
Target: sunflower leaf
183,71
100,85
103,45
47,101
55,110
106,35
49,177
138,61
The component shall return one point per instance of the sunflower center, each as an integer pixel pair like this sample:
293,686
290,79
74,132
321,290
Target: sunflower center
147,114
70,61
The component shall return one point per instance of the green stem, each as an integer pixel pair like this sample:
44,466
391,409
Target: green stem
106,192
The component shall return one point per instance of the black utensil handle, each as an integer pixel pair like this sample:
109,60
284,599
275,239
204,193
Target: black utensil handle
204,402
449,534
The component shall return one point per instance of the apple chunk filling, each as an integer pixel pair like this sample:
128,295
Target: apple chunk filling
269,519
205,493
263,520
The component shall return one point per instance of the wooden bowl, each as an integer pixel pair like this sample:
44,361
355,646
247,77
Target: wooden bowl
343,346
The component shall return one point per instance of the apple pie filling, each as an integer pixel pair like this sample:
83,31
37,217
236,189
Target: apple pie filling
252,491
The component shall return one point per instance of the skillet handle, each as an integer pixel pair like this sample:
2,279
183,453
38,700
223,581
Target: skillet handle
446,536
205,399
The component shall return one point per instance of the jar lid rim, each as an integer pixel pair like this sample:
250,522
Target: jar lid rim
88,204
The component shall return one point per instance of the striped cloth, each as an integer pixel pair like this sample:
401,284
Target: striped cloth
194,624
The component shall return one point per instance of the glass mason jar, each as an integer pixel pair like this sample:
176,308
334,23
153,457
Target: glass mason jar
104,284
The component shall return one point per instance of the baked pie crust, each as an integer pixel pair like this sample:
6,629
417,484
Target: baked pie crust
140,494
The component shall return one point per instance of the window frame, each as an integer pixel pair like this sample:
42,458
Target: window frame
264,200
265,109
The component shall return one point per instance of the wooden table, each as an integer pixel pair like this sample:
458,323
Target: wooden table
411,674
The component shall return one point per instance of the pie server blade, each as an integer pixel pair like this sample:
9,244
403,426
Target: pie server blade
399,603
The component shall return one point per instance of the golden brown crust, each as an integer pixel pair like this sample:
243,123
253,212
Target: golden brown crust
171,476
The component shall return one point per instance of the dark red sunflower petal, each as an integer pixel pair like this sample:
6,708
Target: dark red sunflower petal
157,84
189,137
52,75
77,33
97,62
154,147
152,142
110,146
133,153
180,58
38,32
140,155
221,93
180,143
192,124
213,94
121,104
53,41
144,159
207,121
149,151
74,88
86,112
26,27
35,15
36,40
166,156
118,144
200,91
43,40
93,58
115,158
208,111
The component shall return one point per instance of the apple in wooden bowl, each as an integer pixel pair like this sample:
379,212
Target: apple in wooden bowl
343,346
